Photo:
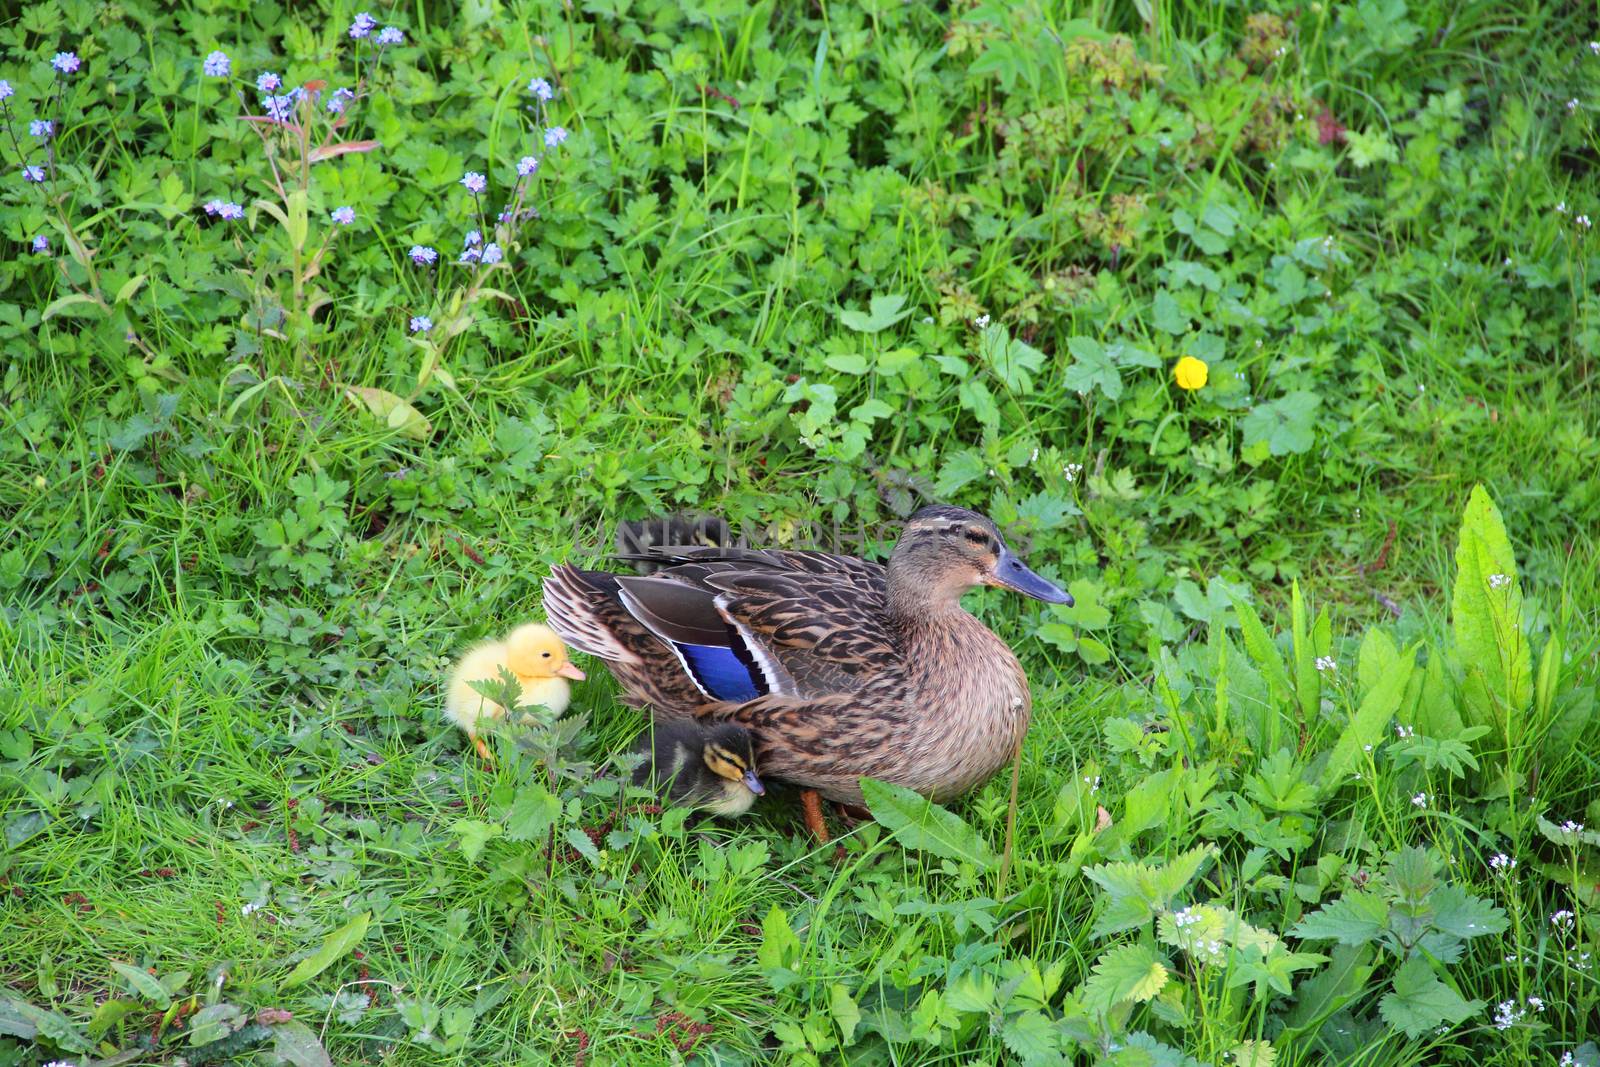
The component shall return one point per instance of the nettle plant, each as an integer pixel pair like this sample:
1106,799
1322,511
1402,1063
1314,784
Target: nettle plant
282,277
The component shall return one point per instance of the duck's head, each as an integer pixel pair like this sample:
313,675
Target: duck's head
730,752
535,652
944,551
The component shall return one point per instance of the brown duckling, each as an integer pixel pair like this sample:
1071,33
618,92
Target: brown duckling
710,766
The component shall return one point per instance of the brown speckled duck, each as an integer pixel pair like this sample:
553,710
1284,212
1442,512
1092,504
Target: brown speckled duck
840,667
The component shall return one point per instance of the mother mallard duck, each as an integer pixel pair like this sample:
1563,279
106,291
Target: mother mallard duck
842,668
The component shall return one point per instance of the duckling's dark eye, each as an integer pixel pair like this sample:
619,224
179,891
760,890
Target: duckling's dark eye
546,655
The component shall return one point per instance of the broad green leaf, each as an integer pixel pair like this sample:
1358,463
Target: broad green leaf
1463,916
1486,616
780,948
533,811
1091,369
144,983
1369,722
18,1018
1262,650
919,823
1130,972
1032,1038
61,303
1330,989
298,1043
846,1014
883,312
475,834
1420,1002
1356,918
1286,425
334,947
1254,1054
395,412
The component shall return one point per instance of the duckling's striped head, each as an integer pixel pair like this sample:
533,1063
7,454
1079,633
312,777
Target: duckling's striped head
944,551
730,752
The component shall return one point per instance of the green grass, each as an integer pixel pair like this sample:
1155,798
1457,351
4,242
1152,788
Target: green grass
229,594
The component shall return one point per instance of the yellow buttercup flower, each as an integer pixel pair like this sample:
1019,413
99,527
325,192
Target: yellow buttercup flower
1190,373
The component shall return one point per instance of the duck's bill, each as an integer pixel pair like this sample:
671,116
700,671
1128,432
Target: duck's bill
568,670
1011,573
752,783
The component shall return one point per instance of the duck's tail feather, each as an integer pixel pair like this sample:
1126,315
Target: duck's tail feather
650,544
583,610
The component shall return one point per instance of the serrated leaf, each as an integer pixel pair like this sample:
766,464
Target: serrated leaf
917,822
1420,1002
1091,369
1330,989
1129,973
1463,916
534,810
334,946
1032,1038
144,983
1356,918
779,948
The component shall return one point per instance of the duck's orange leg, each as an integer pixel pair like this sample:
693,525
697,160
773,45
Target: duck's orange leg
811,807
483,750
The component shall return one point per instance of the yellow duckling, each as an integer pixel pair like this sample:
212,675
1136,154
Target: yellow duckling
538,659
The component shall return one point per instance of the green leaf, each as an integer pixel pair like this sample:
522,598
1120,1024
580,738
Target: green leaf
61,303
1420,1002
1131,972
475,834
298,1043
1091,369
1369,722
1370,146
1357,918
780,948
144,983
883,312
335,946
1486,616
395,412
1167,316
533,811
21,1019
846,1014
1032,1037
919,823
1286,425
1330,989
1463,916
1307,679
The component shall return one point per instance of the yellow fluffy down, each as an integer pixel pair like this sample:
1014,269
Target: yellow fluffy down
533,654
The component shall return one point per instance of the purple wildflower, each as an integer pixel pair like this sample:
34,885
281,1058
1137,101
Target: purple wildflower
364,24
229,210
278,108
527,165
268,82
391,35
66,62
340,100
470,255
344,216
554,136
421,324
41,128
211,206
217,65
474,239
33,174
541,89
6,92
492,254
41,244
422,255
474,182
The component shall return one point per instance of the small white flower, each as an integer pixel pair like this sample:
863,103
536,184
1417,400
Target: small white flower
1366,748
1502,863
1506,1015
1572,106
1572,827
249,909
1562,920
1583,221
1186,917
1071,471
1536,1004
1033,457
1561,208
1420,800
981,322
1404,731
1327,663
1093,783
1507,261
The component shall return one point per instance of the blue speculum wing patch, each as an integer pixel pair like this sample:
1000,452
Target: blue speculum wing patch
720,671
